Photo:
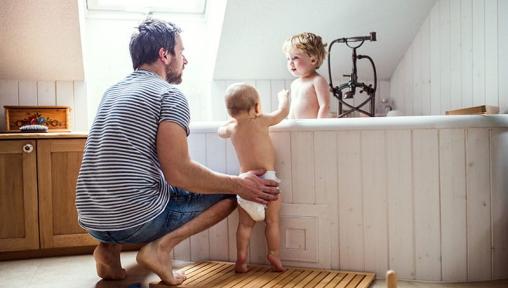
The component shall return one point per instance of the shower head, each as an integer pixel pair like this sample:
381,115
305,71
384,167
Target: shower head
371,37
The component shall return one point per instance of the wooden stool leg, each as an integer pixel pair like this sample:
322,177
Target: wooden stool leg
391,279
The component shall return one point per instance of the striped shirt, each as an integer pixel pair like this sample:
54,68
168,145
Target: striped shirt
120,183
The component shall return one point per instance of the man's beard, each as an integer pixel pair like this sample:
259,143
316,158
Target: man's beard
172,76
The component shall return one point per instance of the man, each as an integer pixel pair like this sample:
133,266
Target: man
136,170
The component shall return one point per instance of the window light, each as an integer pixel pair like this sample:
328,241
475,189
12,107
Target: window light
148,6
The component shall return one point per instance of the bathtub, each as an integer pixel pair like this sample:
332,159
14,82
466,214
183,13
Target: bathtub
426,196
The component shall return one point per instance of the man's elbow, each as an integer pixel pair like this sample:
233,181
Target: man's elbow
175,177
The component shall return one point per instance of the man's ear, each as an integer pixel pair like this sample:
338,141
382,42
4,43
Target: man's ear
163,55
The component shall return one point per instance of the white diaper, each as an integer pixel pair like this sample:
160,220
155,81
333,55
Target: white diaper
255,210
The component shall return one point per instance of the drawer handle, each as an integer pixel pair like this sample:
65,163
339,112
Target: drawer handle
28,148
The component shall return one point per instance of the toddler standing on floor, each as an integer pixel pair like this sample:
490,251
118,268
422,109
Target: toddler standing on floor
248,130
310,96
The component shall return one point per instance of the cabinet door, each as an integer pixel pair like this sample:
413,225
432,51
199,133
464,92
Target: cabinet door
58,163
18,196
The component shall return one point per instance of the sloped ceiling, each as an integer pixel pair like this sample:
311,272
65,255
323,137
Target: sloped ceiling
253,33
40,40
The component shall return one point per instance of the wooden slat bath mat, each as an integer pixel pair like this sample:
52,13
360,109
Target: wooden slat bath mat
222,275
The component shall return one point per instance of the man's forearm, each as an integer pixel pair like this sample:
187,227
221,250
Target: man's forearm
195,177
180,171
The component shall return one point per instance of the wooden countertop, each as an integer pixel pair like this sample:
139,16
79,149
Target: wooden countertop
48,135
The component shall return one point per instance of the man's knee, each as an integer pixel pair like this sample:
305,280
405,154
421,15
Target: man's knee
225,207
230,204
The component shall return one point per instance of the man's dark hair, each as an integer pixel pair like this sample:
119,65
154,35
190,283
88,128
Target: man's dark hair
150,36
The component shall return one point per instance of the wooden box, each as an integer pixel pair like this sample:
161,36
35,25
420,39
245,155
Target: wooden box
476,110
56,118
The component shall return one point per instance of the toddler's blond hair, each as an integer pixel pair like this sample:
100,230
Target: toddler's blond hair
309,43
241,97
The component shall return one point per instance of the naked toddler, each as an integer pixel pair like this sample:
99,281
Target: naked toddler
310,96
248,130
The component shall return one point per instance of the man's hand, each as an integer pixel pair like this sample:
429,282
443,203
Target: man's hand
253,188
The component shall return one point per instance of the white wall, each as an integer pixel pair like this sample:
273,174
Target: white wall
46,93
41,57
40,40
459,58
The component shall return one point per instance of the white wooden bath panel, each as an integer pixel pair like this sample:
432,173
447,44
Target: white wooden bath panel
425,196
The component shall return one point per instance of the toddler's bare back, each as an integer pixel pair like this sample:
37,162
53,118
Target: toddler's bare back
253,145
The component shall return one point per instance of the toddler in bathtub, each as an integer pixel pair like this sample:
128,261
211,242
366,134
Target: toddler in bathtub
248,130
310,96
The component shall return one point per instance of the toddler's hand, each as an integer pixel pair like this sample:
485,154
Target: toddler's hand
283,95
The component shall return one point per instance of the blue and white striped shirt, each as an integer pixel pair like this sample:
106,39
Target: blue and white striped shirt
120,183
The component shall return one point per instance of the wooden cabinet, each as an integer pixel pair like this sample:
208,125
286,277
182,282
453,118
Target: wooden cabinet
58,163
19,229
37,194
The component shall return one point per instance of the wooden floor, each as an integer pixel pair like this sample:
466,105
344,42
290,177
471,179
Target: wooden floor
222,274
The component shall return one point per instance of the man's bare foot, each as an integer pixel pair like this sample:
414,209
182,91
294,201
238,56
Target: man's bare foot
157,260
107,262
276,263
241,265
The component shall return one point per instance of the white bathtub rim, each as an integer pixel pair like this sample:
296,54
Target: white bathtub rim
376,123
